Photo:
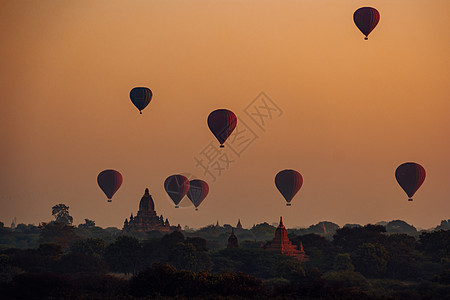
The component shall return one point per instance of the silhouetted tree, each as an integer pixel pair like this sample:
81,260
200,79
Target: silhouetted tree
163,280
399,226
61,214
172,239
351,238
56,232
401,256
263,231
343,262
346,279
81,264
445,225
29,229
321,252
124,255
87,224
52,250
91,247
370,259
182,256
435,244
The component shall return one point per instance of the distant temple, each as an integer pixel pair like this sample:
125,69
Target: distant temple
283,245
239,226
232,240
146,218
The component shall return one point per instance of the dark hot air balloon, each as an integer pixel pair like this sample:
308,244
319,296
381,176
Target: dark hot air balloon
410,176
366,19
198,190
176,187
141,97
222,122
288,182
109,181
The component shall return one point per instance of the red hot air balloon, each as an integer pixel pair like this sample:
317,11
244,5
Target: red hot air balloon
366,19
222,122
198,190
141,97
410,177
109,181
288,182
176,187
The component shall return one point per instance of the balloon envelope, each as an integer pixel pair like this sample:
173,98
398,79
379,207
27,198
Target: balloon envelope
222,122
198,190
410,177
366,19
141,97
288,182
176,187
109,181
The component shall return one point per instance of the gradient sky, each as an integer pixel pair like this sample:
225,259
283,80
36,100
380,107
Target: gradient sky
352,110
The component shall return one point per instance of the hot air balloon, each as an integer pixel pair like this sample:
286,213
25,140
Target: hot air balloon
288,182
366,19
222,122
141,97
198,190
410,177
176,187
109,181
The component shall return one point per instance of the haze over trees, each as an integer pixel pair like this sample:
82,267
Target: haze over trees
371,261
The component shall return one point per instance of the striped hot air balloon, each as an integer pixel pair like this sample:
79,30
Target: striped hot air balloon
109,181
141,97
198,190
410,176
176,187
366,19
222,122
288,182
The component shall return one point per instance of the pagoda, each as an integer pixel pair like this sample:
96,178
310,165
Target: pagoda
239,225
232,240
283,245
146,218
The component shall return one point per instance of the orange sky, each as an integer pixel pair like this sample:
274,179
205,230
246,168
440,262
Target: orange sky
352,110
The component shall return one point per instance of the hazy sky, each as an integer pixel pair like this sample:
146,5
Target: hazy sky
349,111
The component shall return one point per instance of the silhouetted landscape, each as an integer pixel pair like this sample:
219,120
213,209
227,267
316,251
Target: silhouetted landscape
389,260
296,149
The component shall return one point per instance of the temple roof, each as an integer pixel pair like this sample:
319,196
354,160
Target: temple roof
147,203
232,240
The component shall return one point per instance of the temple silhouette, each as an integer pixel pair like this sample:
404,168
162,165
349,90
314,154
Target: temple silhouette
283,245
232,240
146,219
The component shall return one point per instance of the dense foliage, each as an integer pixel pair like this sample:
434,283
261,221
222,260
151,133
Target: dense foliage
58,260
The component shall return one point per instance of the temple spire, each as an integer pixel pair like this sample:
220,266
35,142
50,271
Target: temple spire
281,221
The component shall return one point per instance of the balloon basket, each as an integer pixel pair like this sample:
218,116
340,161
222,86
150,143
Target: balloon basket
410,199
366,38
140,112
176,206
196,209
109,200
288,204
222,146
